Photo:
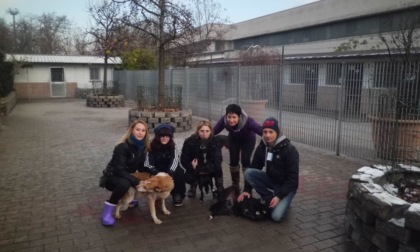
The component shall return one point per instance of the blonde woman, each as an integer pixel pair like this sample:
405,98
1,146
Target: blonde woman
128,157
201,154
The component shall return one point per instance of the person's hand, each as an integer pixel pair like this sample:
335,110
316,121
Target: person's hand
274,202
243,195
194,163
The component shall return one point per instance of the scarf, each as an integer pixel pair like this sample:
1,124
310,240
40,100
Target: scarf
138,143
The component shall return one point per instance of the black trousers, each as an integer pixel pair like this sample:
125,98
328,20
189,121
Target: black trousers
179,182
242,148
118,186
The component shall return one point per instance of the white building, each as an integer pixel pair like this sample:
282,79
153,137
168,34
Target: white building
313,29
45,76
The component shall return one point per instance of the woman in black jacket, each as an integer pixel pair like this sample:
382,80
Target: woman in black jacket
164,157
201,154
128,157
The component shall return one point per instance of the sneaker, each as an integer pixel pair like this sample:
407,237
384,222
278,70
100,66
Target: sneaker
177,200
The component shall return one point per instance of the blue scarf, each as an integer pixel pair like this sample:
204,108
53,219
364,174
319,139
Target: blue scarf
138,143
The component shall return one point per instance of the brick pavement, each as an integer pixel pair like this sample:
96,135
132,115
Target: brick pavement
52,154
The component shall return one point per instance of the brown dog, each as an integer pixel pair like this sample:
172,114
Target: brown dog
124,203
155,188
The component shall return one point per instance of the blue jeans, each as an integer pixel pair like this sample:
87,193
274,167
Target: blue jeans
265,186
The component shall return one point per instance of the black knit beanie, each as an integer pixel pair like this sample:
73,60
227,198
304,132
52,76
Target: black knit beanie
273,124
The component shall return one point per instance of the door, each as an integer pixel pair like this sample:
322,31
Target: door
311,85
353,87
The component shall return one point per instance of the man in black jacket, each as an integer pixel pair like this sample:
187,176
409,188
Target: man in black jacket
277,185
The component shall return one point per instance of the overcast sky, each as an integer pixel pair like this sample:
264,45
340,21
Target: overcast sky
76,10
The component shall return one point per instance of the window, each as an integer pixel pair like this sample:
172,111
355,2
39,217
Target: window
57,74
386,74
333,74
341,29
297,74
94,73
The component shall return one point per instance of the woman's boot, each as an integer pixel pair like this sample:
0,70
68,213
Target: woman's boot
192,191
219,187
234,173
108,218
246,184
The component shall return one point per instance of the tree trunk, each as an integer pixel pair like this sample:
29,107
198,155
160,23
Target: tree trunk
104,85
161,90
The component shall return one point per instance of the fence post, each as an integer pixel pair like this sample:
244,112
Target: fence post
208,92
187,87
280,90
239,85
340,109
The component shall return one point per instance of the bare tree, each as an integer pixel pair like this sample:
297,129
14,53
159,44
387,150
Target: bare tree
166,22
211,25
255,55
107,32
81,44
51,31
207,16
6,37
25,34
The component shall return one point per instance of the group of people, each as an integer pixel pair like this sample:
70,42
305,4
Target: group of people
273,172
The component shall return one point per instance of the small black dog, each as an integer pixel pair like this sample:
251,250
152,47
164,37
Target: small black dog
205,184
250,208
205,180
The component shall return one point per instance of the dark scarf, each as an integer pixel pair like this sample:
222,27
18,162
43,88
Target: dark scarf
138,143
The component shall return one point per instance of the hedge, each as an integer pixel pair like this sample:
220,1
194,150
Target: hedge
6,76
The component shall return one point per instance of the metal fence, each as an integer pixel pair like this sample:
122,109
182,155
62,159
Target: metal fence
327,105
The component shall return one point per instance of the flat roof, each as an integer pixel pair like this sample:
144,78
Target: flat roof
64,59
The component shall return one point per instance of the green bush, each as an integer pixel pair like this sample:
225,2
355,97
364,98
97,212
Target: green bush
6,76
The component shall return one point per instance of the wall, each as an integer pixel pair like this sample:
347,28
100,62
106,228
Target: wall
315,13
41,90
34,81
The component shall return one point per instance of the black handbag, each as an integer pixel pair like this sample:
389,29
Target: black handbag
252,208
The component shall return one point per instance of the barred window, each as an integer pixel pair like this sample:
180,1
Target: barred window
94,73
386,74
333,74
57,74
297,73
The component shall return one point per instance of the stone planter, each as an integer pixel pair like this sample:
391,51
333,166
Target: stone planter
407,141
255,109
375,219
180,120
105,101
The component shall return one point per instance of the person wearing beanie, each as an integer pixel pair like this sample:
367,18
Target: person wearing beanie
277,185
164,157
242,131
127,158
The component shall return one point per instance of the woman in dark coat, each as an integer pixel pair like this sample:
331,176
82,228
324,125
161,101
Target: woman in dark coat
128,157
163,157
201,155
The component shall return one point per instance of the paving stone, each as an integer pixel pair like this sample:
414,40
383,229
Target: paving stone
52,153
